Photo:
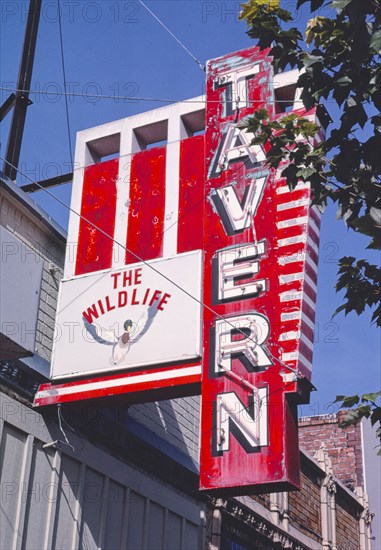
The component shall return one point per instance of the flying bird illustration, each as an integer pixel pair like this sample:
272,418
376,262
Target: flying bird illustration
131,334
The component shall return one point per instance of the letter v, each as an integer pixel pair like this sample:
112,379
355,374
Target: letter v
236,216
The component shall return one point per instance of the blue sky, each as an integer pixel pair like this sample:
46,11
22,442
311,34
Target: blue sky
117,48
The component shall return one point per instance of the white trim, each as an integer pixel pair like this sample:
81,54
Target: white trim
292,221
293,204
290,335
296,239
291,295
292,316
290,277
180,372
290,259
285,188
172,184
122,199
290,356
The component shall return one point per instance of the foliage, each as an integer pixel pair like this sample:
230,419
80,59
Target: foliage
362,282
339,60
340,63
366,407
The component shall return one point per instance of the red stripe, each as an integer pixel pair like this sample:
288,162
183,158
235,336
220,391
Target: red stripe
312,254
305,351
316,216
146,206
311,271
308,311
313,235
307,331
292,213
98,207
309,291
191,194
139,390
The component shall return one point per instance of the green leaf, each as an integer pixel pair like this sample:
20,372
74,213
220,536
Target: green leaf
344,81
376,417
310,60
375,41
305,173
350,400
371,396
340,5
339,398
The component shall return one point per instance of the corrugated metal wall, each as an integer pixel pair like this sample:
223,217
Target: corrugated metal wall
87,499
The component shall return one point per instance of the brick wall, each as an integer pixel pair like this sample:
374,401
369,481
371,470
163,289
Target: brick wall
347,525
304,505
343,446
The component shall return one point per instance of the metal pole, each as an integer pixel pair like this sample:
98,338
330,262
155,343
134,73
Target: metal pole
22,98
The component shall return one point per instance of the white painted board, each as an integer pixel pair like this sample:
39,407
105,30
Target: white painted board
127,318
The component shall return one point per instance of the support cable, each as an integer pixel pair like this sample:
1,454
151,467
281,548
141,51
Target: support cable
202,67
64,82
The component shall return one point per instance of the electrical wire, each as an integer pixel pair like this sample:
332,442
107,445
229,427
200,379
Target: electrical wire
202,67
64,82
131,98
61,427
154,269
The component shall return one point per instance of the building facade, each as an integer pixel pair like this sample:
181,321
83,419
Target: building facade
104,471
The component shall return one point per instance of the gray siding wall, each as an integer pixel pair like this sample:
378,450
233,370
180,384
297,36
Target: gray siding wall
177,421
48,250
55,498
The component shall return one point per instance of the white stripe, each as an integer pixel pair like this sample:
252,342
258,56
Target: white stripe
306,362
296,356
309,322
292,240
311,263
181,372
122,200
298,257
293,204
309,302
317,210
291,296
285,189
172,178
291,316
309,343
310,282
293,221
312,244
312,223
290,356
290,277
291,335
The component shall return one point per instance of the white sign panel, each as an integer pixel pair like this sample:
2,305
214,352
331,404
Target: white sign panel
129,318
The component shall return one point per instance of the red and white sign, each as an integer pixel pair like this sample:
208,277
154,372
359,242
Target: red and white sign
195,260
260,268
